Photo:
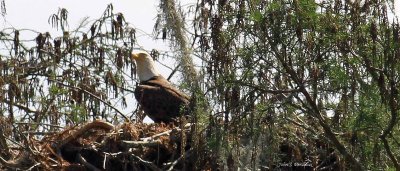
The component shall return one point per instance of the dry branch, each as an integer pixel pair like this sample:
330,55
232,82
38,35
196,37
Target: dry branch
151,165
135,144
97,124
173,164
165,133
87,164
93,95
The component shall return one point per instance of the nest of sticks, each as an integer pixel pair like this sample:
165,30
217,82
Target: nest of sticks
99,145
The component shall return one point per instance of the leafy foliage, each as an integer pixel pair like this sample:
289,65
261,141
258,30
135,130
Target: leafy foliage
68,79
301,71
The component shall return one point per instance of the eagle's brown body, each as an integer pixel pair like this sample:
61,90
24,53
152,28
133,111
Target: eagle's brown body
161,101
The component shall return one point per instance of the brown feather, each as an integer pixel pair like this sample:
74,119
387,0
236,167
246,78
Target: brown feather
161,101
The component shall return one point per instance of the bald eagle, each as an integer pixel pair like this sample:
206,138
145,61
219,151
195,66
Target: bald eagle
160,100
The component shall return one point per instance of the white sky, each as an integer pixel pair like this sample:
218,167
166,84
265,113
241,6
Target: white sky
34,14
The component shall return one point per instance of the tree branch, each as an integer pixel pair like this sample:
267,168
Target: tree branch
96,97
315,110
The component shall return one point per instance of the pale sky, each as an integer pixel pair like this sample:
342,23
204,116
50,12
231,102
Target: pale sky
34,14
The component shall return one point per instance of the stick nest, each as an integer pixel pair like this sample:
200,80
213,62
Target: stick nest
99,145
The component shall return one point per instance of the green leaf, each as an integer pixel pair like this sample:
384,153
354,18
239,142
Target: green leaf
256,16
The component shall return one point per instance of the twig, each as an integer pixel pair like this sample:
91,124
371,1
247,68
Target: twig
87,164
32,167
173,72
151,165
270,91
164,133
109,154
44,124
9,164
187,153
96,97
135,144
3,144
20,106
156,136
304,126
22,162
95,124
39,133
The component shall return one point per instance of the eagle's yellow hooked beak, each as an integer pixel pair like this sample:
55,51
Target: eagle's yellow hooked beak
134,56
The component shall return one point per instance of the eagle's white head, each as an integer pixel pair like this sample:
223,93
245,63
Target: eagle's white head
145,65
